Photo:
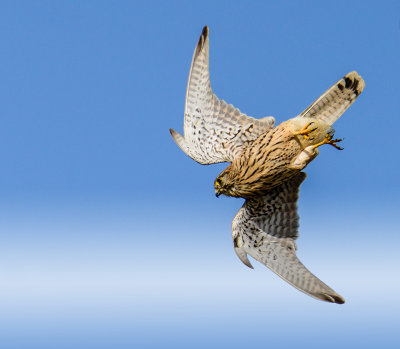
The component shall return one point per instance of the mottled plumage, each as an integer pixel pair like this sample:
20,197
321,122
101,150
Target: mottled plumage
266,165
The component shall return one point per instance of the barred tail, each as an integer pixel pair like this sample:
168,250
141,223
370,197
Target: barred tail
334,102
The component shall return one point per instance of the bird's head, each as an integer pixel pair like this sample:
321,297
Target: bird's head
219,185
224,184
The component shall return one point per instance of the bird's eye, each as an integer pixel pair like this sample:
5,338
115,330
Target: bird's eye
218,181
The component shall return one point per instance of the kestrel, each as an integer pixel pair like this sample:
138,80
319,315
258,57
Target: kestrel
266,166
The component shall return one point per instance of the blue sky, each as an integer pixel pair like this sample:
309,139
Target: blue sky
111,237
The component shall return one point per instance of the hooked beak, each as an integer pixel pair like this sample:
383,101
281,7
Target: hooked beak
217,192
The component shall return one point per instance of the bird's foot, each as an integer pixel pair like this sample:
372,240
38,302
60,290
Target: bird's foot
305,131
328,140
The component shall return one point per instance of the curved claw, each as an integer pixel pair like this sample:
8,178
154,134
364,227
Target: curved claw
305,131
328,140
333,143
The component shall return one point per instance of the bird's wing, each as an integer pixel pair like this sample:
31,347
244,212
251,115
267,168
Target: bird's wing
266,228
334,102
214,131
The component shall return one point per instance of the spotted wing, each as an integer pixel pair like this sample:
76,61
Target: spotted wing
214,131
266,228
334,102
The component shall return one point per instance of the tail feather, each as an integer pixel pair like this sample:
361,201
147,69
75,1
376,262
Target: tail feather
335,101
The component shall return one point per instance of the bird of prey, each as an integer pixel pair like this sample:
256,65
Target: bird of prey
266,166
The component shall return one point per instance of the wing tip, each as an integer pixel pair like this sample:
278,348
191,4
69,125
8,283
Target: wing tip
202,39
332,298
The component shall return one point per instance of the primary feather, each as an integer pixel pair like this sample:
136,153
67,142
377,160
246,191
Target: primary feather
214,131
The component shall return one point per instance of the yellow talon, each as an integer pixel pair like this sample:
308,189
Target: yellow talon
328,140
305,131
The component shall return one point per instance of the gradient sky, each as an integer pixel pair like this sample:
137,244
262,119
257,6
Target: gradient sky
111,237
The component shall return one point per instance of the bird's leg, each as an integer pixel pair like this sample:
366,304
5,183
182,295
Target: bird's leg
328,140
304,158
305,131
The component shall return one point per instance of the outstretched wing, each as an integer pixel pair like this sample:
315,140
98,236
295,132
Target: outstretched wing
266,228
334,102
214,131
